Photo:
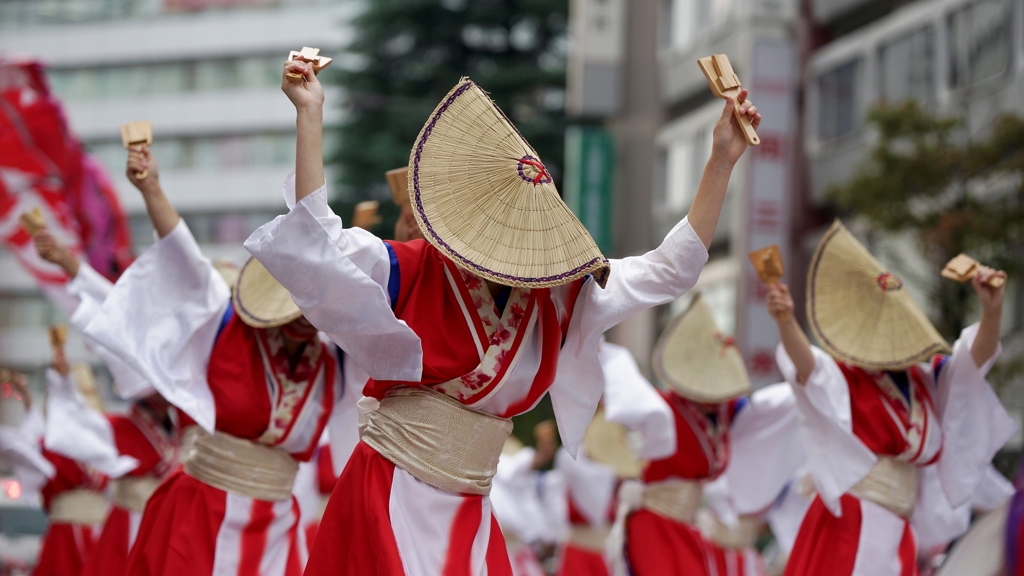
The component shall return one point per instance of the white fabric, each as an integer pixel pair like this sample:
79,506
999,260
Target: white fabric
881,533
981,552
21,448
421,518
591,486
786,515
516,498
993,491
974,426
162,317
76,431
343,427
92,289
630,400
237,516
326,267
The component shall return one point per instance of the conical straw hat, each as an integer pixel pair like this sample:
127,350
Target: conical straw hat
697,361
484,199
606,443
260,300
859,311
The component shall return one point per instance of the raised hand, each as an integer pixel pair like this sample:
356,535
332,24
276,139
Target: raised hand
991,298
140,160
305,92
986,342
729,141
60,362
51,250
779,302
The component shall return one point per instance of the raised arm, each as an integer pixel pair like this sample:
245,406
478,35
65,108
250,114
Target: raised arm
729,145
51,250
987,341
780,306
308,97
163,216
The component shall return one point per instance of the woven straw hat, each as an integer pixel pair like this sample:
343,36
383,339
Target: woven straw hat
484,199
859,311
606,443
260,300
697,361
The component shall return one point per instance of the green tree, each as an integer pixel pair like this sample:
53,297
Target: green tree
408,54
954,193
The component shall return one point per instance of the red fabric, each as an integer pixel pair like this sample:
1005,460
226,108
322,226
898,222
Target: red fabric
326,477
728,562
658,546
47,167
498,563
355,536
109,557
459,561
69,475
238,382
132,442
826,545
872,424
689,460
578,561
66,549
179,530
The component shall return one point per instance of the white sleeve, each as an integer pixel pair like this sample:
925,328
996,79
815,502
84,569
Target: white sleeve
766,449
591,486
635,284
161,319
92,289
975,424
21,448
837,459
344,422
338,278
75,430
630,400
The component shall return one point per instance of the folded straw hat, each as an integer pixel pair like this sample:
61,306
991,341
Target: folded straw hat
260,300
859,311
697,361
606,443
483,198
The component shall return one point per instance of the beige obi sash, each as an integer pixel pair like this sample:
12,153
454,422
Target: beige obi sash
79,507
675,499
132,492
740,537
589,538
891,484
242,467
437,439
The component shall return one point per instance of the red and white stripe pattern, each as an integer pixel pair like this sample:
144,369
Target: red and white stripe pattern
259,537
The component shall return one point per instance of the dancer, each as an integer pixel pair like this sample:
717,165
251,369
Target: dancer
148,433
246,367
898,435
505,301
716,432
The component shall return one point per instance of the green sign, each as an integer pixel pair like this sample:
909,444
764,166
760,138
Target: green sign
588,182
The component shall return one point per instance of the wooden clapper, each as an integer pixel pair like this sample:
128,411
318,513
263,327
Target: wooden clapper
725,84
33,221
767,263
398,182
137,133
311,55
963,268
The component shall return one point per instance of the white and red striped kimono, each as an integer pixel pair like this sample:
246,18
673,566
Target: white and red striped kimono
67,546
944,419
169,317
523,504
422,321
590,494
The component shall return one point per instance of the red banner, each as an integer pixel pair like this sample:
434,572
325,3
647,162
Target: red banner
43,165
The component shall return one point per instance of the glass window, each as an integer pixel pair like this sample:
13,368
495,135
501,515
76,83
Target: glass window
837,101
906,67
979,41
168,78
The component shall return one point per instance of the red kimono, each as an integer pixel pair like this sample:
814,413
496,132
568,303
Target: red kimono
67,546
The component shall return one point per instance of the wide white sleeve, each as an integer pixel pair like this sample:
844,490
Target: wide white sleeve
21,448
635,284
836,459
515,497
92,289
161,319
591,486
765,449
75,430
338,278
344,422
787,514
630,400
975,424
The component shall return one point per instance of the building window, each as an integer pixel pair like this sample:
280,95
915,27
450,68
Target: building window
907,68
837,101
979,41
210,153
692,19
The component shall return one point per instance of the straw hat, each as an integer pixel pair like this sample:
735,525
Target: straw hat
606,443
859,311
484,199
260,300
697,361
228,272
